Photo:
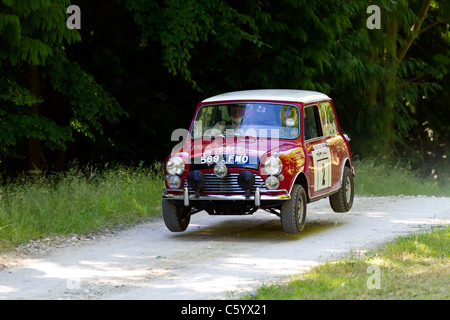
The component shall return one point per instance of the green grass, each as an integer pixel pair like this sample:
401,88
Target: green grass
382,178
412,267
79,201
82,201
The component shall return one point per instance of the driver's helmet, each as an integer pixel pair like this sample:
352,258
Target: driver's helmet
237,113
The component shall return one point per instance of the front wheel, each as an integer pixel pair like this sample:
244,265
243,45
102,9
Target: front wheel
293,211
342,200
176,218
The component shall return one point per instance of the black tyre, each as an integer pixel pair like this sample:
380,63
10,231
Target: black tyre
293,211
342,201
176,218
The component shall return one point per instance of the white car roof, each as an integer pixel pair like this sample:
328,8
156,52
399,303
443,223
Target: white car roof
270,94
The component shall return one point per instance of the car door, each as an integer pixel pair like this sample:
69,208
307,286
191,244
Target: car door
334,141
319,153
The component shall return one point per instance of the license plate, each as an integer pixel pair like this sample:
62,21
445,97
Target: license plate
228,158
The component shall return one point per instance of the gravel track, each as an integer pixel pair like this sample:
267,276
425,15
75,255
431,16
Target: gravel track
217,257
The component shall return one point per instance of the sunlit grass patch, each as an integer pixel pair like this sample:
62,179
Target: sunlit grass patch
412,267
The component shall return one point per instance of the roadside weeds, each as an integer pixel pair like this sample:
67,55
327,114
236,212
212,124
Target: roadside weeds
412,267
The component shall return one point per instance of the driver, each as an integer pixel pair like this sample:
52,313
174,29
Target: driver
232,120
236,115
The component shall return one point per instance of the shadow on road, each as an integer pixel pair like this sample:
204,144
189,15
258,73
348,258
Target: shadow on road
266,229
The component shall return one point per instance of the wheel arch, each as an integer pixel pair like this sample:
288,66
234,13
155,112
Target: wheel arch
303,181
348,164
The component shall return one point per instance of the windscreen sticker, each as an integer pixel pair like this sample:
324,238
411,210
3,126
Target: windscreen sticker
290,122
225,150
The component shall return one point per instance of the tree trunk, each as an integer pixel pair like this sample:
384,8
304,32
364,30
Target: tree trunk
34,162
390,89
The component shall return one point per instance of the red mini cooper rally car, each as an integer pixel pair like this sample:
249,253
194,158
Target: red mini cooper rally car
274,150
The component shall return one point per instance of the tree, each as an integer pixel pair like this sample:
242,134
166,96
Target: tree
377,85
34,70
158,58
317,45
178,25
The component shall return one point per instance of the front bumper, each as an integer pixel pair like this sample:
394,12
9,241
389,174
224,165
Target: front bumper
187,197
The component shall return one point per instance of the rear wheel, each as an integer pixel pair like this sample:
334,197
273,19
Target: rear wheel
293,211
342,201
176,218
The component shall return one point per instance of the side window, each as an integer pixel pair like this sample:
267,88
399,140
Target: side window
312,122
327,117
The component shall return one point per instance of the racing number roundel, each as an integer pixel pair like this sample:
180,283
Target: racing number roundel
322,167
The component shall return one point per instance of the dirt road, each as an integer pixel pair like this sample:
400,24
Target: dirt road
217,257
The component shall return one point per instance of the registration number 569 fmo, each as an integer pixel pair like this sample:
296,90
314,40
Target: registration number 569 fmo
228,158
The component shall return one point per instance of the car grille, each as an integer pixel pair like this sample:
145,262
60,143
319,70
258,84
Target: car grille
228,184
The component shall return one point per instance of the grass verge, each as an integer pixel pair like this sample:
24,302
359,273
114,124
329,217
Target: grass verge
412,267
78,201
378,177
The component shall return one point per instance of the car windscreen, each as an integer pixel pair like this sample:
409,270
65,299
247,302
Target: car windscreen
247,119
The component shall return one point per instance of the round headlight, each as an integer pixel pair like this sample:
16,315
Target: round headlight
272,165
272,183
175,165
173,182
220,170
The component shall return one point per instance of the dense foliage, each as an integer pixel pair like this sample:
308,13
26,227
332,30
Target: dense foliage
115,89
